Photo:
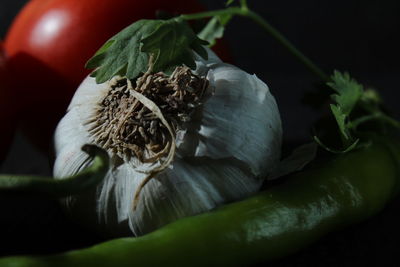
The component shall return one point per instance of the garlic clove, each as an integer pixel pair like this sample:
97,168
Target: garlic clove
70,132
190,186
89,92
241,119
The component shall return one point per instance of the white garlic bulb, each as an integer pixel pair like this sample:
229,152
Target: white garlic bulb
231,141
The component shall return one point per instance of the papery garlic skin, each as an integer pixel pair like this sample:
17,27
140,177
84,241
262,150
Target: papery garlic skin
232,142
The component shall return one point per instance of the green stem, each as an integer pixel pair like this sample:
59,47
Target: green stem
213,13
73,185
288,45
243,3
245,12
376,116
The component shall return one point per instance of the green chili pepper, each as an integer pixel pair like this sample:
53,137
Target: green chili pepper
269,225
76,184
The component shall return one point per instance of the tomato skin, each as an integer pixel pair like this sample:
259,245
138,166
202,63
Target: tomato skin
64,34
8,107
50,41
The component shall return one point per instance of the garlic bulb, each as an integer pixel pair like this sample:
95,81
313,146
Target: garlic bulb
222,148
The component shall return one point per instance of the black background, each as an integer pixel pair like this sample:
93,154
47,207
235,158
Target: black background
356,36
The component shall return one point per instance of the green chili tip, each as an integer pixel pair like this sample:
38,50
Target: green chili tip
82,181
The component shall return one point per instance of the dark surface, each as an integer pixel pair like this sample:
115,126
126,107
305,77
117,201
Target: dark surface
358,36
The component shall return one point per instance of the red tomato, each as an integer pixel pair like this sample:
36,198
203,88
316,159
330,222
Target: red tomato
50,41
8,107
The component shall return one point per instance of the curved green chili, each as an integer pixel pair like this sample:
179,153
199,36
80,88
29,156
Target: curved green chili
82,181
269,225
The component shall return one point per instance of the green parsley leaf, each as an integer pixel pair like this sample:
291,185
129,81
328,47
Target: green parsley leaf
214,29
341,120
349,93
128,53
173,43
122,55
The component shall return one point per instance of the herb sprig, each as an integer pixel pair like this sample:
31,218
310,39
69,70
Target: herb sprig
166,44
350,96
170,42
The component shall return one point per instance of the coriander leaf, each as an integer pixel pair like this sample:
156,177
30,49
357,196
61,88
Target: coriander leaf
172,44
122,55
349,93
341,120
99,56
349,96
215,29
